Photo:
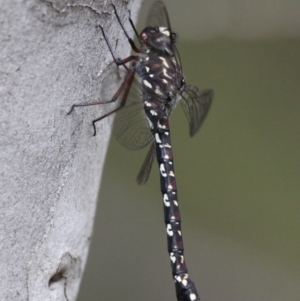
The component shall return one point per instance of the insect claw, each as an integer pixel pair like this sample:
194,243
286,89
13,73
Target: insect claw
70,111
99,26
95,132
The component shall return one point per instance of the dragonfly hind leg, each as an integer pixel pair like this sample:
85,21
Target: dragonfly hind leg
126,84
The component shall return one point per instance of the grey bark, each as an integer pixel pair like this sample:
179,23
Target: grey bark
50,58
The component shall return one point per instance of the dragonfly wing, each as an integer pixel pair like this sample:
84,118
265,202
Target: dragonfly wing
195,105
130,128
158,16
145,170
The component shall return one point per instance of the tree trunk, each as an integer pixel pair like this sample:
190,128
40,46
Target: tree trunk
51,54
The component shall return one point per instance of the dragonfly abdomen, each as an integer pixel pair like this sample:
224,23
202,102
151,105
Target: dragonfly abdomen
185,288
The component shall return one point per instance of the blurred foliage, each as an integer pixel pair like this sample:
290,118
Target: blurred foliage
238,183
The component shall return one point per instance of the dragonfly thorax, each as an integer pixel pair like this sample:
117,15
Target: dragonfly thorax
161,78
162,85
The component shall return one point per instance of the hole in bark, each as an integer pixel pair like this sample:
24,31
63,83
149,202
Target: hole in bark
58,276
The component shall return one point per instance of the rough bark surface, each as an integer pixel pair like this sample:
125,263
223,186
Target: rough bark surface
50,56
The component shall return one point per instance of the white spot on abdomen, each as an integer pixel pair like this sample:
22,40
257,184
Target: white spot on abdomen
157,139
172,257
169,230
192,297
170,187
177,278
162,170
153,113
161,126
150,123
166,200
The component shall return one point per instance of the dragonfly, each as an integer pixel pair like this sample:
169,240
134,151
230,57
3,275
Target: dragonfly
152,85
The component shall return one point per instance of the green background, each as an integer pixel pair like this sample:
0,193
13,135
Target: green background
238,185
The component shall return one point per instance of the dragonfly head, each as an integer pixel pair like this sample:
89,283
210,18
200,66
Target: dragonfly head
158,39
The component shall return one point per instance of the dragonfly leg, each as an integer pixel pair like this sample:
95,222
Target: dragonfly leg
130,40
127,85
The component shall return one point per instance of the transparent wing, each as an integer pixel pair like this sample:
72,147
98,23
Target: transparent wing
158,16
130,128
195,105
145,170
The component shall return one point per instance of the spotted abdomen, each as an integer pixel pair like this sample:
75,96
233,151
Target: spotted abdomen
185,287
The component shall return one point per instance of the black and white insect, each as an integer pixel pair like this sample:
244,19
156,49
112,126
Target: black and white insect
145,120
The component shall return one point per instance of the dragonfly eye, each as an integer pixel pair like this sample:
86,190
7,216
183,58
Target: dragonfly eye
148,32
